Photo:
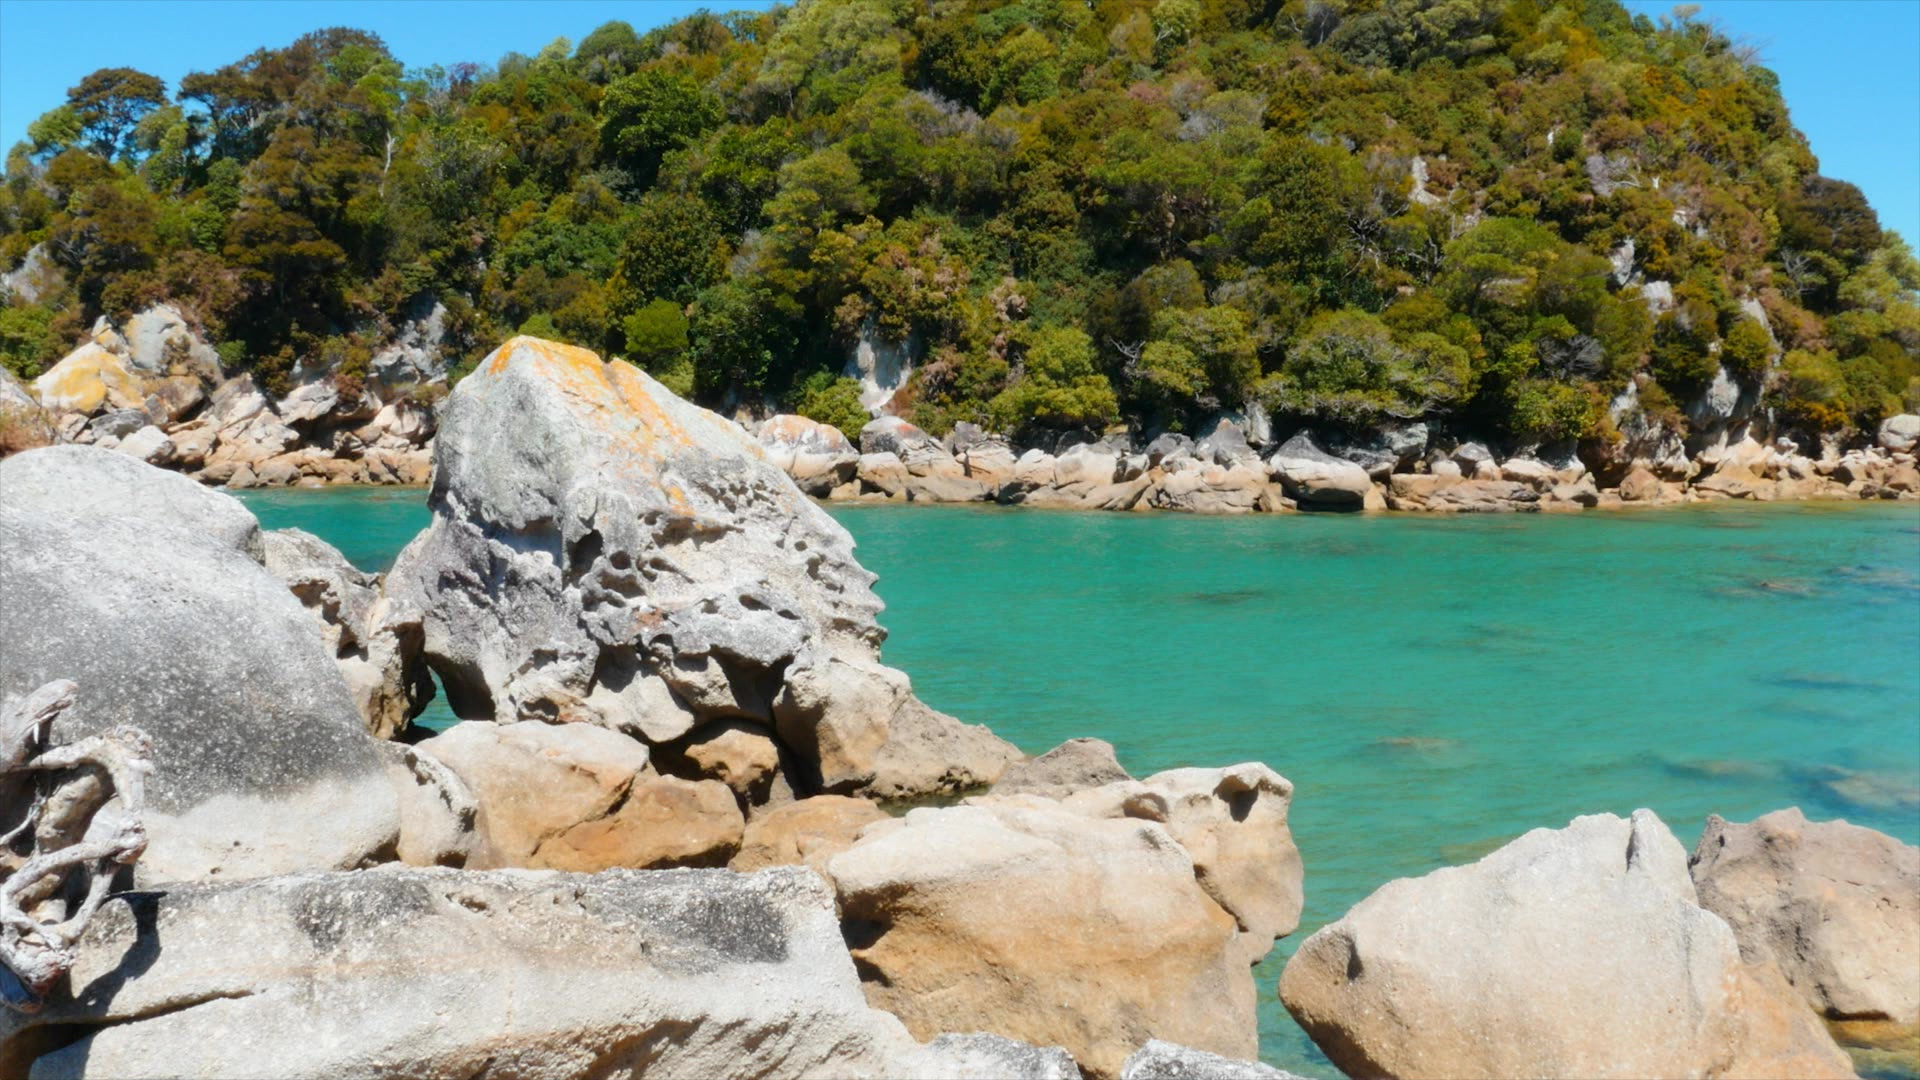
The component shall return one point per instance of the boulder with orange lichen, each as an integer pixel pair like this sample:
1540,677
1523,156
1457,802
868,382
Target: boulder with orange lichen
602,551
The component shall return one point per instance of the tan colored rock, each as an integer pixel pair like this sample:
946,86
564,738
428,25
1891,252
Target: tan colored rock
928,752
440,822
87,380
1449,494
1233,824
807,832
991,462
1036,923
579,797
1577,952
739,753
1074,765
883,473
1733,481
1641,485
1835,905
818,456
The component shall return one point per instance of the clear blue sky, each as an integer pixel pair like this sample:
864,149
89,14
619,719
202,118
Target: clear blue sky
1850,68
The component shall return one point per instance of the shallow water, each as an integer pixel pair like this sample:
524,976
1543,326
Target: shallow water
1432,686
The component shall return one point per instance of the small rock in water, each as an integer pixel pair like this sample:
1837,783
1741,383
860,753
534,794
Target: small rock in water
1419,744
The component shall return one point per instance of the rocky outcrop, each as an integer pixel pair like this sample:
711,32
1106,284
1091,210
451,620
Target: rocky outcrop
1233,824
606,553
1316,478
375,641
1900,434
1578,952
87,380
579,797
1455,494
1167,1061
817,456
443,974
415,356
955,918
1836,906
267,765
808,832
1073,766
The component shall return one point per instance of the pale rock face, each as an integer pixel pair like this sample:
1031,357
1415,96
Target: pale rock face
1836,906
884,473
818,457
1166,1061
1315,477
36,276
375,640
444,974
955,914
1233,823
1900,434
1439,492
881,366
1534,474
268,768
1074,765
579,797
440,822
87,380
147,444
602,551
1621,259
989,462
414,356
158,342
808,832
1578,952
1658,296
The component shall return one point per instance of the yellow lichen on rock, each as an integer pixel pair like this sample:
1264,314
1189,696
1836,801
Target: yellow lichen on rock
87,378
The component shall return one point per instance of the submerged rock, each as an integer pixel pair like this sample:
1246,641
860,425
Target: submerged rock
602,551
1031,921
1577,952
1836,906
143,586
444,974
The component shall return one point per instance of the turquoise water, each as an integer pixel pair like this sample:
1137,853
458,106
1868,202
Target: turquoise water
1432,686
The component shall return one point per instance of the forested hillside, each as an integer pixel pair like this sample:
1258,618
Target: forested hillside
1488,213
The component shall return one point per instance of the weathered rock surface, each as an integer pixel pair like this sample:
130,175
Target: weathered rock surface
1577,952
1835,905
819,457
375,641
268,767
580,797
1317,478
808,832
1166,1061
1034,922
440,822
1900,434
1074,765
1453,494
443,974
602,551
1233,824
87,380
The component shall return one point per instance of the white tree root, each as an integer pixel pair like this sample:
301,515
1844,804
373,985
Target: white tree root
62,843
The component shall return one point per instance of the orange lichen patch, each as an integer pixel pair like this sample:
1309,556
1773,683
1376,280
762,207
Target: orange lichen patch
87,378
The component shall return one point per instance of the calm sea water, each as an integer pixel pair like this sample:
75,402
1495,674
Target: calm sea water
1432,686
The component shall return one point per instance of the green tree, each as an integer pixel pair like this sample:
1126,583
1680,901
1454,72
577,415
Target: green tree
1057,385
110,103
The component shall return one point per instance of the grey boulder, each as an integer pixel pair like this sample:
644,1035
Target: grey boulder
1316,478
1169,1061
86,481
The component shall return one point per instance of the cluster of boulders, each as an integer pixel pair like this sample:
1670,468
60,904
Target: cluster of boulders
1232,469
682,769
152,388
673,778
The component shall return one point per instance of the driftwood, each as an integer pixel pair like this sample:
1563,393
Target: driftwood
63,844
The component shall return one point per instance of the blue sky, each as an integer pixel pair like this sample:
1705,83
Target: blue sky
1850,68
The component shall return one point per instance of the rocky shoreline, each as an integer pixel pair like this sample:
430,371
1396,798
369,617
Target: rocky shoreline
154,390
683,772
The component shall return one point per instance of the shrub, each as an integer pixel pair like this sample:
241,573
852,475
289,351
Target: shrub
832,399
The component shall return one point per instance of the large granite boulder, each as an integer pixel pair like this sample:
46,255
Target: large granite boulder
819,457
580,797
1900,434
1074,765
1577,952
602,551
142,587
1233,823
87,380
375,641
1836,906
808,832
1314,477
442,974
1031,921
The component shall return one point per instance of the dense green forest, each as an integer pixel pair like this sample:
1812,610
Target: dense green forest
1071,213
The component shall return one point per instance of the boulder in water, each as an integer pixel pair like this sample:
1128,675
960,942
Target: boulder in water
1577,952
1835,905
